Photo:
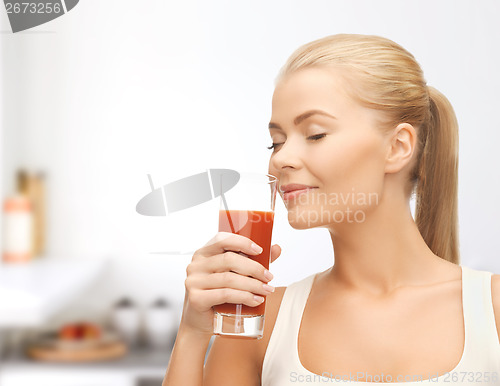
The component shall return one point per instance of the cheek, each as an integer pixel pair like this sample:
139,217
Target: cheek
354,169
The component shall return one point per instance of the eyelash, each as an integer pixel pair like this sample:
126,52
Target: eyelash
313,137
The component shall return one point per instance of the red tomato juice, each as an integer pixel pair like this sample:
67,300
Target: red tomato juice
257,226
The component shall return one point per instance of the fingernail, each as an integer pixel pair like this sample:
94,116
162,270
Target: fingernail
259,299
268,275
268,287
256,248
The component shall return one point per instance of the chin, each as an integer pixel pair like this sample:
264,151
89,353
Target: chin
302,219
299,225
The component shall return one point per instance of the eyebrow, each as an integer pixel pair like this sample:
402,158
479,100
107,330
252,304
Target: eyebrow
298,119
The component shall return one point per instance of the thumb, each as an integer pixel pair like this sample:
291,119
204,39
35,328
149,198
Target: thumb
275,252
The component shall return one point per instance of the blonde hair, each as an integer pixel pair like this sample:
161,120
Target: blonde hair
386,77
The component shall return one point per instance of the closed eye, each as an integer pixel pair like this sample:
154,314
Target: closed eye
316,137
312,137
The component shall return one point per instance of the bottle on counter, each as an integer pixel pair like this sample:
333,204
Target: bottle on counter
24,219
31,185
126,320
35,191
17,230
160,324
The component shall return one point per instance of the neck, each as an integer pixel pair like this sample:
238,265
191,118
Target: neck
382,253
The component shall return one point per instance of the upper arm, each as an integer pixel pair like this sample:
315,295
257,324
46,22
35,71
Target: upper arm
235,361
495,295
231,361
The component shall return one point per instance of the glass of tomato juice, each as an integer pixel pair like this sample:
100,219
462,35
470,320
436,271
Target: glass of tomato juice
247,209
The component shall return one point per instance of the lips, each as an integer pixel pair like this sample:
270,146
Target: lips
291,191
292,187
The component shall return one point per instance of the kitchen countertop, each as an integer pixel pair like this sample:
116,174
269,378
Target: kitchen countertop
140,362
30,293
142,366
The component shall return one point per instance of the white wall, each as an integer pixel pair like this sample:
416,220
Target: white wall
116,89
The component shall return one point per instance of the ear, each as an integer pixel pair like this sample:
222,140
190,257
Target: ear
400,148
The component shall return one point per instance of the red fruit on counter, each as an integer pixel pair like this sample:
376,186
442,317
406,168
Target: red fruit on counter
69,332
91,331
79,331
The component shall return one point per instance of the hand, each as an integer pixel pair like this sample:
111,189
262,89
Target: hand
221,272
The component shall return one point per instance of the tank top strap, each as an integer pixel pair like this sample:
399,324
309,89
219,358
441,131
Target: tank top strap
481,335
296,300
282,346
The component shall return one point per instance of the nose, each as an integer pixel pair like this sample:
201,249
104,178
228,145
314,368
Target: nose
286,156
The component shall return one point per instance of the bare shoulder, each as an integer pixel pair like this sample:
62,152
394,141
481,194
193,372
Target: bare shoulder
495,295
239,361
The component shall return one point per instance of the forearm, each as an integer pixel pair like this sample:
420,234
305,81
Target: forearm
185,367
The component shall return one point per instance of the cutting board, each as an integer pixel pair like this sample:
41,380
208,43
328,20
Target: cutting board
98,352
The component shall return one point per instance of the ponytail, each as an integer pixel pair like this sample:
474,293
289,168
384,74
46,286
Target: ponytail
436,213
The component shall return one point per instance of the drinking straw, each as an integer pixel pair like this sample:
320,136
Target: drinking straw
225,205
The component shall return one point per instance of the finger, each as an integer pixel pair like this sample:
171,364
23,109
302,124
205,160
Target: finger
231,280
226,241
275,252
243,265
229,295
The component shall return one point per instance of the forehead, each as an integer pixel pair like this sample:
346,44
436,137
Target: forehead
311,88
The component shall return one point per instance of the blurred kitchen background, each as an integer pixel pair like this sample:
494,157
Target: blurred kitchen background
94,101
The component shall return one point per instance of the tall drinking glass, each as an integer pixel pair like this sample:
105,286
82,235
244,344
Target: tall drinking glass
247,209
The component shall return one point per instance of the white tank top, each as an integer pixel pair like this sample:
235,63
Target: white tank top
479,365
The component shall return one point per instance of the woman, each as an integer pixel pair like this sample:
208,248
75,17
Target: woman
354,123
